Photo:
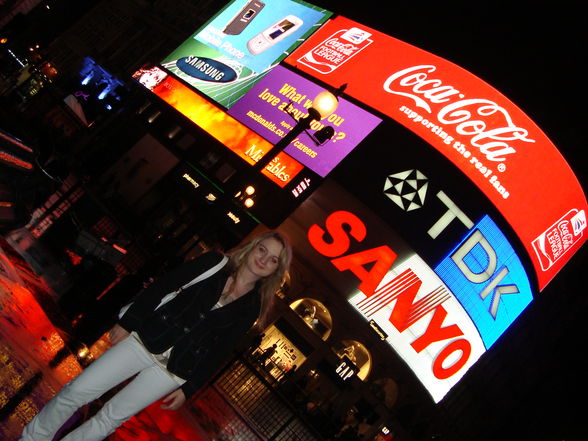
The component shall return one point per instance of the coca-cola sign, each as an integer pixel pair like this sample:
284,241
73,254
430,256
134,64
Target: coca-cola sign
336,50
488,126
499,148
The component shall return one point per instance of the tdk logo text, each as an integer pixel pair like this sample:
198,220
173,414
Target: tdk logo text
482,270
488,278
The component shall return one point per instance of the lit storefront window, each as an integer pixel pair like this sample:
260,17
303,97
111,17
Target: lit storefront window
316,316
352,351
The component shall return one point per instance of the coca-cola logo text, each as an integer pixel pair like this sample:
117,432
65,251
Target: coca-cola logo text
488,125
344,48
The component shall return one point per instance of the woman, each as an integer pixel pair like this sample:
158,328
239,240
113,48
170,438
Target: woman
174,348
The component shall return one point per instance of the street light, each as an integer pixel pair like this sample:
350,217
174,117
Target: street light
324,104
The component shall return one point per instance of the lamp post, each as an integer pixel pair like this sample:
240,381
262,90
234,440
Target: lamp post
324,104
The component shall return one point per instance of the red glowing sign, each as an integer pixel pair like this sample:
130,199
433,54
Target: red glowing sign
410,306
490,139
237,137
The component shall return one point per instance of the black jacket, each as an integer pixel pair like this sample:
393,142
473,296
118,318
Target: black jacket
202,339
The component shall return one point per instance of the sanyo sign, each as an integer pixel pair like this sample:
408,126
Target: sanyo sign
425,324
439,328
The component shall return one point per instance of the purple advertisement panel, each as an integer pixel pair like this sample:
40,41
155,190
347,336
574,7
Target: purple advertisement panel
266,110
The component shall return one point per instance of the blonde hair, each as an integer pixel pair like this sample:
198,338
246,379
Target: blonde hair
270,284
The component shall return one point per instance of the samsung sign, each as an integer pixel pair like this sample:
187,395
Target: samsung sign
488,278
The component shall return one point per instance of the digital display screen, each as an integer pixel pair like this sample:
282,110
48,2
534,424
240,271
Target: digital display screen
281,99
231,133
497,146
488,278
241,43
284,26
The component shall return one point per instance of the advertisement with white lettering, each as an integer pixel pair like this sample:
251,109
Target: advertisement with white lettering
497,146
401,297
488,278
226,57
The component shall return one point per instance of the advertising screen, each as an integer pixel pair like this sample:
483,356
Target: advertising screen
244,142
275,104
398,295
488,279
227,56
499,148
419,193
424,323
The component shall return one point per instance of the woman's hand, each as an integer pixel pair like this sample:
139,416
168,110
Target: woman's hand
117,334
174,400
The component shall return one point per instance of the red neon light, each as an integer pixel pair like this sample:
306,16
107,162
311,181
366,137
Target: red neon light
15,142
13,160
119,249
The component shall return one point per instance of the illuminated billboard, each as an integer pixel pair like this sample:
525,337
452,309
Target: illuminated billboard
399,296
499,148
424,323
488,278
244,142
94,93
228,55
276,103
419,193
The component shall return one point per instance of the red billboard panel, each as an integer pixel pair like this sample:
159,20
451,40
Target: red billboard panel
485,135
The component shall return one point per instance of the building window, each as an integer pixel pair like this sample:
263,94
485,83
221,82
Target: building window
316,316
356,353
173,132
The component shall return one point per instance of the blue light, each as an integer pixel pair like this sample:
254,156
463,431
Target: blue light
488,278
87,79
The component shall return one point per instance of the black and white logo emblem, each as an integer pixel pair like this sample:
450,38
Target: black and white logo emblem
407,189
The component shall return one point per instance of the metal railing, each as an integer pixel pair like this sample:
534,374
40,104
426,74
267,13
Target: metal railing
259,412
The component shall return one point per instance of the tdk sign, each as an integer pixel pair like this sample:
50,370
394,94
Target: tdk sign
488,278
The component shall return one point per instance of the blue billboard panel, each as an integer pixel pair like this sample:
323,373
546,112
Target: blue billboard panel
488,278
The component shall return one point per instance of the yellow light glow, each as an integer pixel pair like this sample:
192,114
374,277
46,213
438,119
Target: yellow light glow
325,103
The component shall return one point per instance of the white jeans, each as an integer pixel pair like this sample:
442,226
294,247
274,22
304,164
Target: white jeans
119,363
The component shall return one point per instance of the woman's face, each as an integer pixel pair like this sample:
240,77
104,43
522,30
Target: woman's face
264,259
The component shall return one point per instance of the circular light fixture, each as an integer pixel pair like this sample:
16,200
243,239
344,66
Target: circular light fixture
325,103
